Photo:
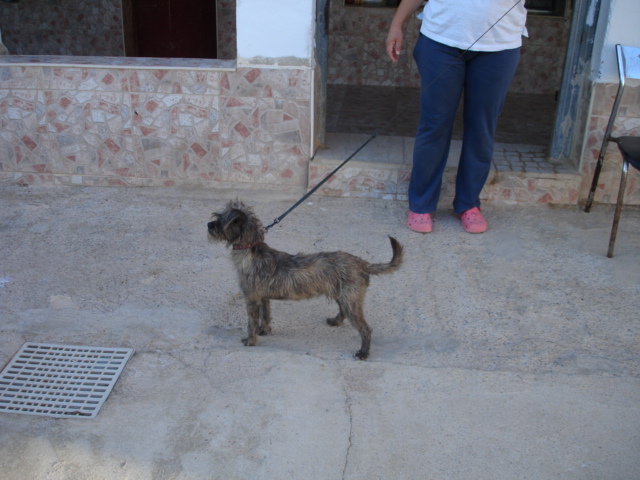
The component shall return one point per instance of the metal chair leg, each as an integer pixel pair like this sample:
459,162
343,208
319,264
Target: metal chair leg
616,217
596,174
605,142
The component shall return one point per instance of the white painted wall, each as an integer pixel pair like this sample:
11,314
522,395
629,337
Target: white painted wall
619,22
275,32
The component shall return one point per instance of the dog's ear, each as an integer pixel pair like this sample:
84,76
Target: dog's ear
234,223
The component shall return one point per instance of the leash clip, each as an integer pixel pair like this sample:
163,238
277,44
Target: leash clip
275,222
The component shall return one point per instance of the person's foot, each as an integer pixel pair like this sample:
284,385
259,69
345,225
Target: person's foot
420,222
473,221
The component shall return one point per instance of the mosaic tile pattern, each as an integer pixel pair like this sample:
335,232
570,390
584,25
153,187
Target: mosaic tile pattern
357,48
542,56
388,181
88,28
175,137
267,118
520,174
262,141
91,135
174,82
133,126
627,123
359,179
57,27
244,128
267,83
25,145
357,51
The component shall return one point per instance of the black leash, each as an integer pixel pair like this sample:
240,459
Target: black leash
310,192
375,134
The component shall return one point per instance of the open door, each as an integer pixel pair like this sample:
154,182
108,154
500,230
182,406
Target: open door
575,92
170,28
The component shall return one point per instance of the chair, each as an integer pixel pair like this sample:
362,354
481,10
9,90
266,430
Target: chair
628,68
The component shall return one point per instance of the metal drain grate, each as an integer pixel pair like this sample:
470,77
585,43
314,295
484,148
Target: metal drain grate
60,380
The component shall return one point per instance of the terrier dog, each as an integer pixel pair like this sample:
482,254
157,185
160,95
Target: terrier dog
267,274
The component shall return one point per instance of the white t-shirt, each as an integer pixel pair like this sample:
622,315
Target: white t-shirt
470,23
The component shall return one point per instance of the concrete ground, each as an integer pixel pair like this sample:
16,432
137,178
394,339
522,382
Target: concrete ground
514,354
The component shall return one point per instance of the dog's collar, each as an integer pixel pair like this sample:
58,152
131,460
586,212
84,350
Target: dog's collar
245,247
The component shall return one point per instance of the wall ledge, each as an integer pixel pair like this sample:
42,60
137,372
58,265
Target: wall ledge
117,62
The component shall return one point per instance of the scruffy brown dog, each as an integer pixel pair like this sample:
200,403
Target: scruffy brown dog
267,274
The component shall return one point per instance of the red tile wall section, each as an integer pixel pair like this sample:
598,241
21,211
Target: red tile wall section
627,123
357,50
120,126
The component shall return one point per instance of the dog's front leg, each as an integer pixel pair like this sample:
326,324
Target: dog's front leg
253,311
265,318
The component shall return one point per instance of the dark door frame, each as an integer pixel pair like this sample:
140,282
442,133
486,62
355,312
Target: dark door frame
130,43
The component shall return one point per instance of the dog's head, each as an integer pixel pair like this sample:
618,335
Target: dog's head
235,225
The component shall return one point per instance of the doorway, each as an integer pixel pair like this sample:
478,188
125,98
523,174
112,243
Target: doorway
364,90
170,28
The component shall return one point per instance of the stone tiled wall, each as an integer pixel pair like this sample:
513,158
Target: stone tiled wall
390,181
86,28
357,52
542,55
363,177
62,27
122,125
627,123
357,47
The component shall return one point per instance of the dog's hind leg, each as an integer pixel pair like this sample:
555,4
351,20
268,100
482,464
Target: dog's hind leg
338,319
355,313
253,311
265,318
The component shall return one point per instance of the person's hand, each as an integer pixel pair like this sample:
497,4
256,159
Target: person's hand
394,37
394,42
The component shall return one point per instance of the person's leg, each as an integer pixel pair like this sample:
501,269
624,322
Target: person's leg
489,75
442,79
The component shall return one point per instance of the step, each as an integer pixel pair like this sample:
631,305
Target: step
520,173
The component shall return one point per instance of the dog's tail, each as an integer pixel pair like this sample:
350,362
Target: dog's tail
393,265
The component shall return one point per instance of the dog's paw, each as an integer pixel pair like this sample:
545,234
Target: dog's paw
360,355
334,322
264,330
249,342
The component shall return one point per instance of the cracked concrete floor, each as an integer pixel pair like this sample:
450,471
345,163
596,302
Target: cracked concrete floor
512,354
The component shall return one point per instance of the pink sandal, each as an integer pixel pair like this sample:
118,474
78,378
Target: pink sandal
473,221
420,222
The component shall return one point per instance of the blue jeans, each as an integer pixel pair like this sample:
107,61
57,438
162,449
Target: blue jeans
446,72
